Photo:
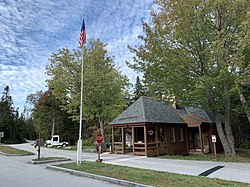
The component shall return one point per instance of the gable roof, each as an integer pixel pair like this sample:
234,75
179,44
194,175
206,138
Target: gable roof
146,110
198,113
194,117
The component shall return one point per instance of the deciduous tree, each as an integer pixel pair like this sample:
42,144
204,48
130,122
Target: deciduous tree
194,50
104,86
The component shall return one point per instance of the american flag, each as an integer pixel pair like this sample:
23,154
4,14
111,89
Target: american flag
82,39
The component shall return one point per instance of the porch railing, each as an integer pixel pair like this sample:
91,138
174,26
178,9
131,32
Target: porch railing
140,149
118,147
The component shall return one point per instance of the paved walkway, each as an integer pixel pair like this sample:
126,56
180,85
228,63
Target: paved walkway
230,171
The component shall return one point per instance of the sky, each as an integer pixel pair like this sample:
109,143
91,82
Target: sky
31,30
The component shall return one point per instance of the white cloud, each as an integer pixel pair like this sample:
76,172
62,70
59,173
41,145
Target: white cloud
31,30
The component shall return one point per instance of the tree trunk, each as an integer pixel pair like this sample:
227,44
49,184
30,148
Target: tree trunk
243,102
222,135
225,134
53,125
228,127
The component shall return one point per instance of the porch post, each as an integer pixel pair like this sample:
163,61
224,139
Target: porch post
113,138
187,138
133,140
201,142
145,141
156,139
123,141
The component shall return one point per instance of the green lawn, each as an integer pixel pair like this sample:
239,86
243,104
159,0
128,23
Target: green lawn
47,158
242,155
12,150
84,148
149,177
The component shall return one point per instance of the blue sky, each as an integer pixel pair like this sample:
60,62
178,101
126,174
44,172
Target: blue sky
31,30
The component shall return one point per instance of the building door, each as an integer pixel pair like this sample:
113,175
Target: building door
162,144
197,140
190,139
194,142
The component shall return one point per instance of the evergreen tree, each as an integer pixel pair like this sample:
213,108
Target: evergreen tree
139,89
49,119
7,114
10,122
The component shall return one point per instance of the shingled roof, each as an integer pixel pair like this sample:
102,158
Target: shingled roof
146,110
194,117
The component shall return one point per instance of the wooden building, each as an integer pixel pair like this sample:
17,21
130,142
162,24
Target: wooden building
149,127
201,127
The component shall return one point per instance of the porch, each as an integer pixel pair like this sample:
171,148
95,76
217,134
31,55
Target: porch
149,139
200,139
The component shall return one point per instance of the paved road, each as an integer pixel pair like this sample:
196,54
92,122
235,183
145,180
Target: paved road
230,171
16,171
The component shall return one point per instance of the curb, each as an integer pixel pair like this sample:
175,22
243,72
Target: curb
49,161
5,154
98,177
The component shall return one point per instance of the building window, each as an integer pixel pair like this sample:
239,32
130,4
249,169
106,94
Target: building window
172,135
181,136
150,134
160,134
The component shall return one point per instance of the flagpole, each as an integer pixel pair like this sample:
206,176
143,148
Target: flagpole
79,143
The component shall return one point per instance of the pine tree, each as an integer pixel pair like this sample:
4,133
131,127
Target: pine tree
10,122
138,90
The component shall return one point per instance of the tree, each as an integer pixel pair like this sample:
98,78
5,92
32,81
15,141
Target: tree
192,51
49,119
243,73
7,114
31,100
104,86
10,122
139,89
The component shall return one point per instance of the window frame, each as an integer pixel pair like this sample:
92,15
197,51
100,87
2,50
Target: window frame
172,135
181,134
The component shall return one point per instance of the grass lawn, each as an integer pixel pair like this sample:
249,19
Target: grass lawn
149,177
242,155
47,158
12,150
84,149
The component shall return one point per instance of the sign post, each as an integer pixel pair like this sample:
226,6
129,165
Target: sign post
38,148
214,141
1,136
99,140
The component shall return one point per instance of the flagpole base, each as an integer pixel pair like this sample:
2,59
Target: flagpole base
79,152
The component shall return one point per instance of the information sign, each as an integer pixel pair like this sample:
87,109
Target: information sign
213,138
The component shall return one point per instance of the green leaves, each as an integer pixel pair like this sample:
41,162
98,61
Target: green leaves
104,86
190,41
197,53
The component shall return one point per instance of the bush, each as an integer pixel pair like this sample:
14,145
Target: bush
13,141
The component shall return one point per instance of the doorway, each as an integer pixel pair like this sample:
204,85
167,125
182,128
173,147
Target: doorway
194,142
